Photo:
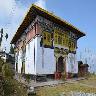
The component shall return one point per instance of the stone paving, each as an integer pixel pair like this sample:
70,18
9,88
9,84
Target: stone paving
48,83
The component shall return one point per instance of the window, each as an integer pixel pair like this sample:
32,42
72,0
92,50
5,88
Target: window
66,40
72,46
47,39
56,39
44,36
60,39
55,36
49,42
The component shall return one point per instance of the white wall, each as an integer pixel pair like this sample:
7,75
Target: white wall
29,61
71,65
44,63
45,60
19,61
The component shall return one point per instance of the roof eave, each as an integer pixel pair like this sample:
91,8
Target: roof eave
28,18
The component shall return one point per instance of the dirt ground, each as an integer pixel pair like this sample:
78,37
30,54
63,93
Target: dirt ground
87,85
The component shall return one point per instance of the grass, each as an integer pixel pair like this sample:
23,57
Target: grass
91,80
68,87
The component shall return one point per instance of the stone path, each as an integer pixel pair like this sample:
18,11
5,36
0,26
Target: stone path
53,82
48,83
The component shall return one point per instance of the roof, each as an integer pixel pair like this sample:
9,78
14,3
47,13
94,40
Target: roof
33,12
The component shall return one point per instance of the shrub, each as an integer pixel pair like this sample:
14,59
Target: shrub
7,71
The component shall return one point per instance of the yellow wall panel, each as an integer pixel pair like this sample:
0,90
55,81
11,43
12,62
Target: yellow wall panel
47,39
63,39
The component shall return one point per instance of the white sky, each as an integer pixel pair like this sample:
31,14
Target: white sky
11,16
41,3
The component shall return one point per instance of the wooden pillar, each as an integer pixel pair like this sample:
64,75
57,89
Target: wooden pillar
64,73
56,64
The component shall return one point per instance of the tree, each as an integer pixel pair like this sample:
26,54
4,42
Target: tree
1,33
6,36
11,49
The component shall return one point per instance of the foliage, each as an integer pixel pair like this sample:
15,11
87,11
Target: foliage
11,86
1,33
7,71
1,64
11,50
28,78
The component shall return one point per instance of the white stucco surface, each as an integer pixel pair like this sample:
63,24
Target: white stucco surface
40,60
72,65
45,60
19,61
29,61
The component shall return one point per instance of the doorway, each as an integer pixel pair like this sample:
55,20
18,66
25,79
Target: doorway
60,64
